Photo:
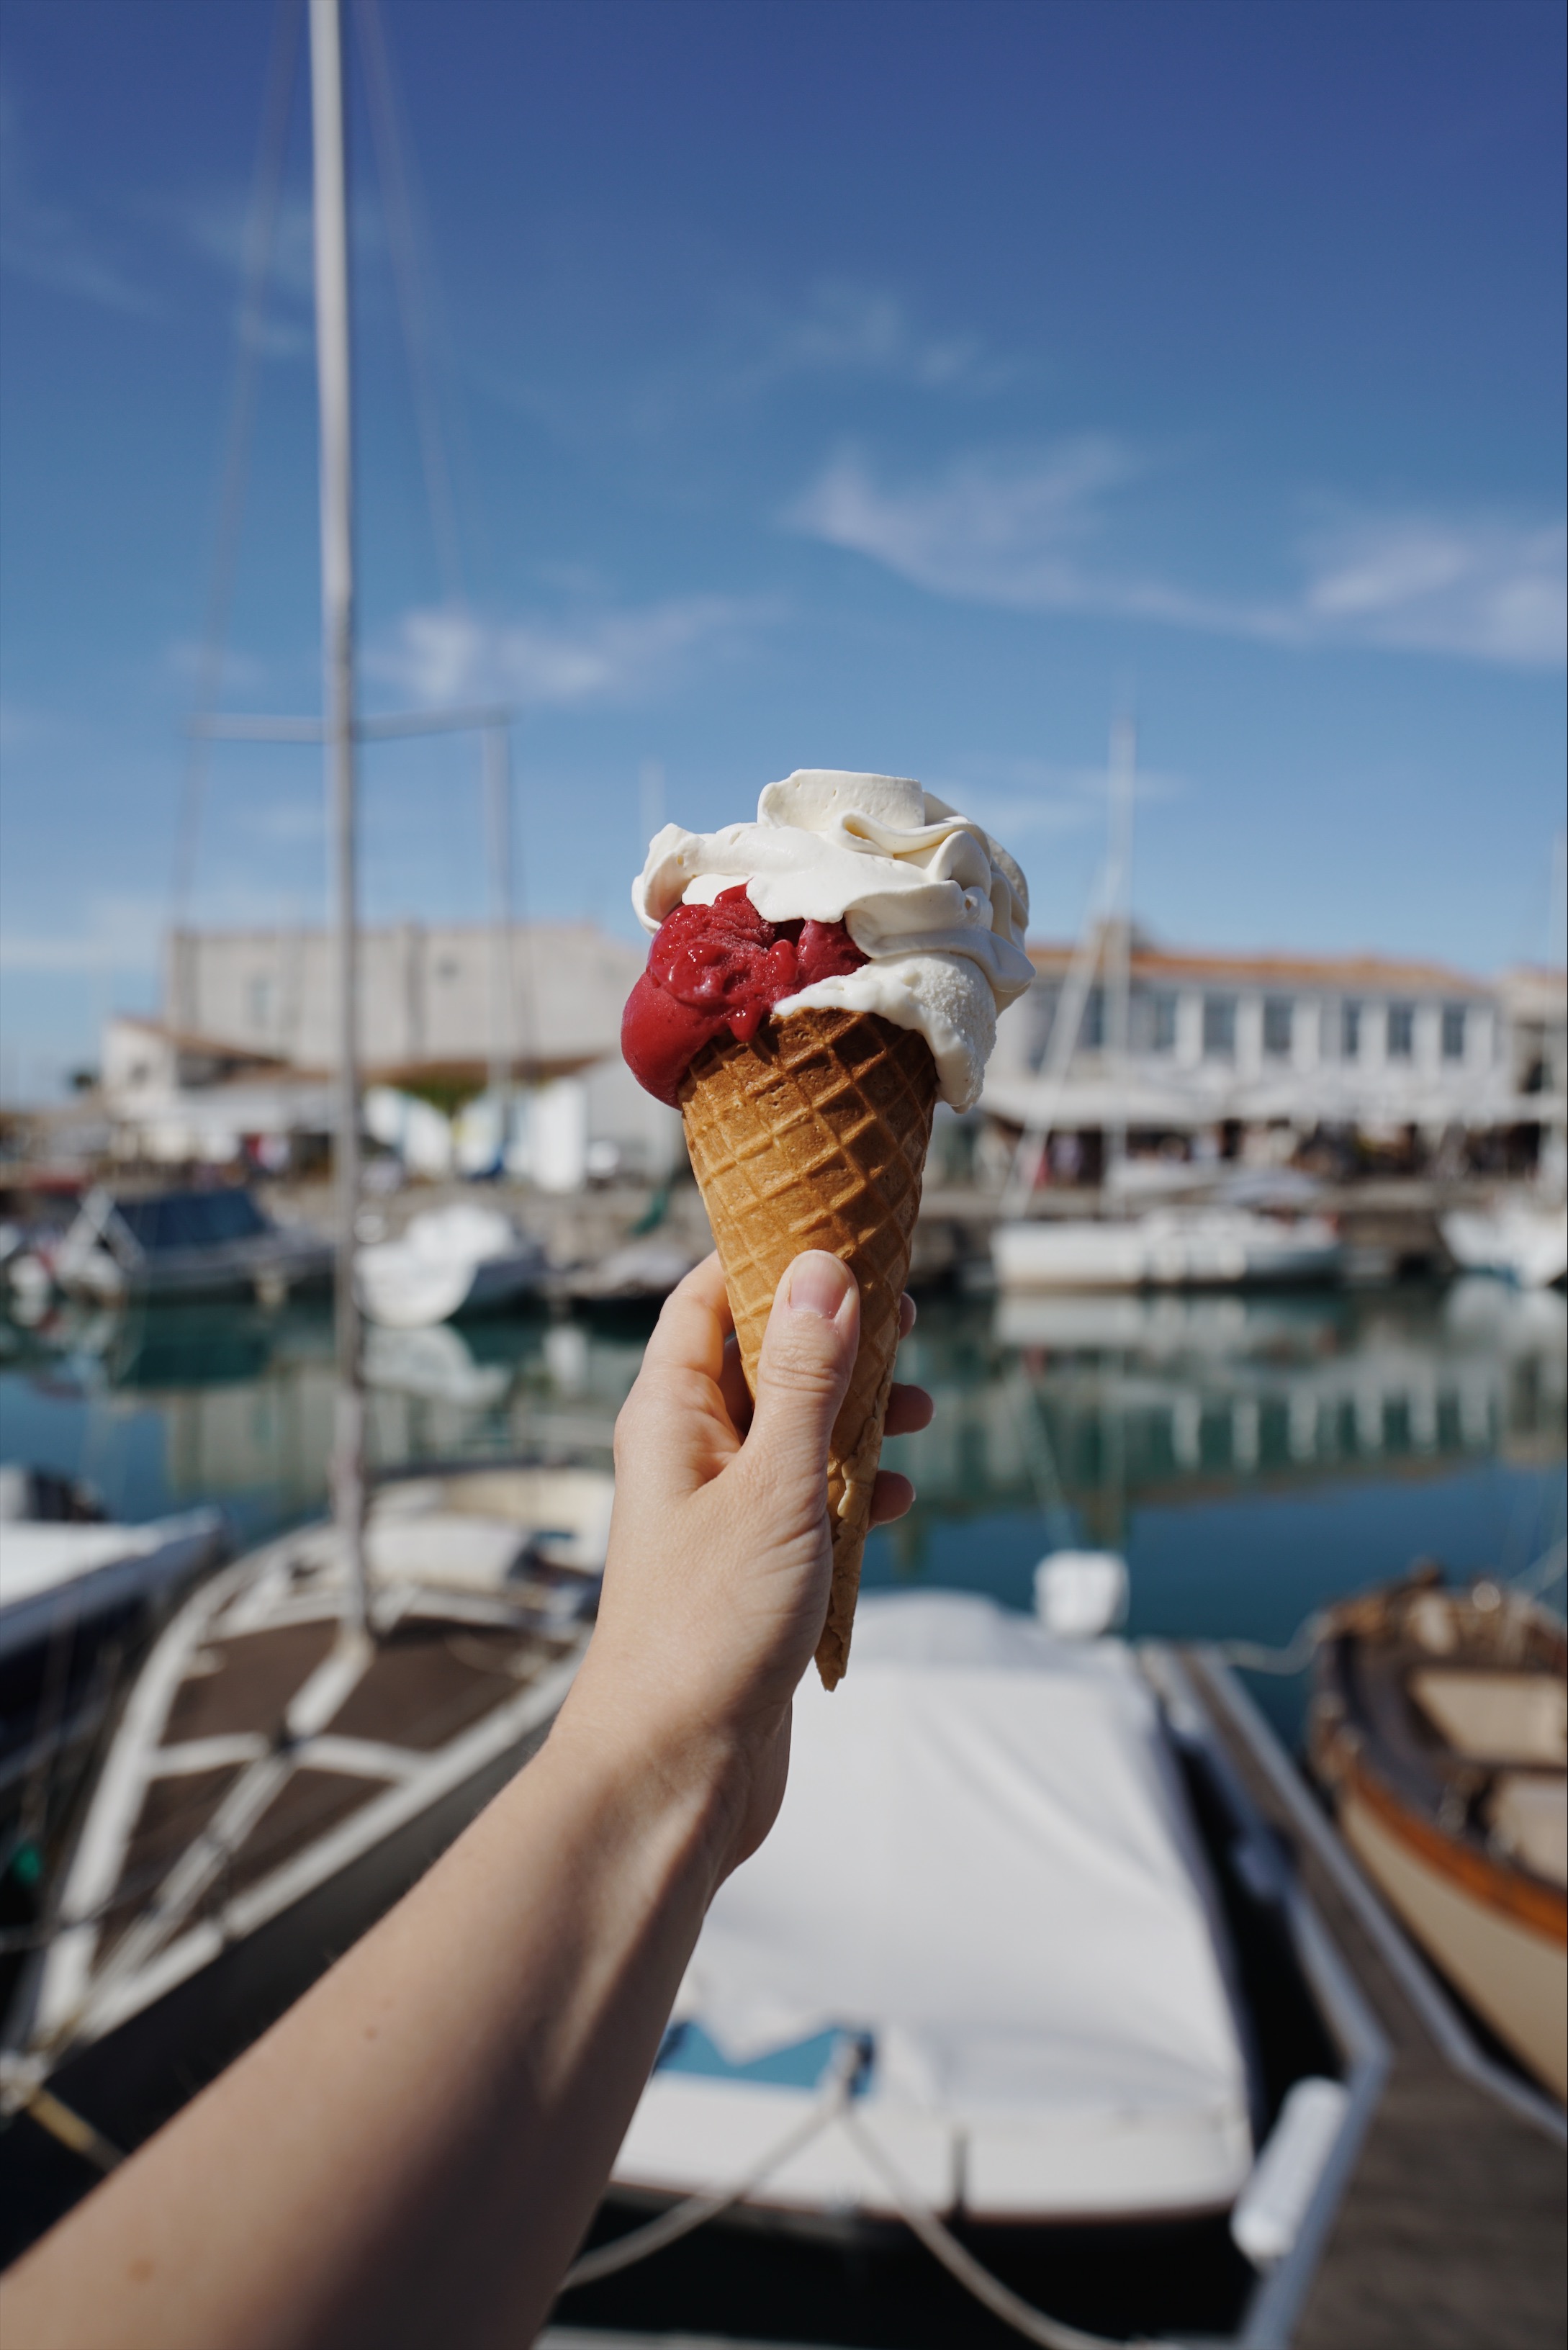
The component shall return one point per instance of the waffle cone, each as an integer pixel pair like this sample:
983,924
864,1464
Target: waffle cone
813,1135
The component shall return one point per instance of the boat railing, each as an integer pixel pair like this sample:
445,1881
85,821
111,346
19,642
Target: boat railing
1437,2011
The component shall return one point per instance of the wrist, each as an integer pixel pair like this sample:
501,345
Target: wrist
680,1782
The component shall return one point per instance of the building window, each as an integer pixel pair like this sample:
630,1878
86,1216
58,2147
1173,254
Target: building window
1218,1027
1350,1032
260,996
1278,1018
1092,1030
1162,1021
1453,1032
1044,1000
1401,1032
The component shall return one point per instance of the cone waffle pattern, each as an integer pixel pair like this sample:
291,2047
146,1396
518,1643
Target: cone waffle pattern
814,1136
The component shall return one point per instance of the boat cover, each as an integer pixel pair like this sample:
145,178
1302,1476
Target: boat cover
61,1569
985,1862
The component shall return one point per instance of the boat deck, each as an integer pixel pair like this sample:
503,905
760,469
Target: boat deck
1451,2235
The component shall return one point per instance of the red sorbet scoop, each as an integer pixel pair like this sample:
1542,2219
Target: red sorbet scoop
720,966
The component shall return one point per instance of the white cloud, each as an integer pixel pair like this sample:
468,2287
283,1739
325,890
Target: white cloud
216,226
1487,590
42,240
121,935
435,656
1032,533
284,824
1018,798
26,726
185,659
994,531
844,328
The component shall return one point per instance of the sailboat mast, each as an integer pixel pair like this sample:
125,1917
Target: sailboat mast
333,382
503,989
1118,944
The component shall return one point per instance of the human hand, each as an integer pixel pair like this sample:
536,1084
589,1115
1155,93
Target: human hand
720,1563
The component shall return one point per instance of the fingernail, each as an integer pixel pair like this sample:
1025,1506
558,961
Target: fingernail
818,1284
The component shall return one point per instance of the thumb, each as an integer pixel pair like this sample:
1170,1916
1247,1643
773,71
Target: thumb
808,1353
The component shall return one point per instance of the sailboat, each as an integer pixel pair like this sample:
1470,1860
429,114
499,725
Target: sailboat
75,1590
318,1721
1218,1244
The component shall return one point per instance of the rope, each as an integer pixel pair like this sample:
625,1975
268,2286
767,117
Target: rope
671,2225
72,2129
961,2263
1543,1572
412,281
1294,1658
261,229
837,2104
1530,1581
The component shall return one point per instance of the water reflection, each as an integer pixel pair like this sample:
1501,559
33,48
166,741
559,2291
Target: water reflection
1251,1455
233,1404
1086,1405
1252,1458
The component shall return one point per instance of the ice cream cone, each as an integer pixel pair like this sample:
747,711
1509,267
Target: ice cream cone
813,1135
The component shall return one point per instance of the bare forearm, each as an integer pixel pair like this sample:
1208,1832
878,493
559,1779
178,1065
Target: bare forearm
420,2144
413,2154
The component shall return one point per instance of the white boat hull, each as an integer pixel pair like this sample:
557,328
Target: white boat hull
1052,2030
402,1294
1519,1240
1203,1249
461,1259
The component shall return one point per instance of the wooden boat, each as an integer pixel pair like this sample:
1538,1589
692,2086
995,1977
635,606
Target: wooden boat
1169,1248
1439,1728
280,1772
187,1243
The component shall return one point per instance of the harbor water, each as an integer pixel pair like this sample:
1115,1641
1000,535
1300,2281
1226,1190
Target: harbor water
1252,1457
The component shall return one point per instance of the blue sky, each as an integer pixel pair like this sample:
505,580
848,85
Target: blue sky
898,386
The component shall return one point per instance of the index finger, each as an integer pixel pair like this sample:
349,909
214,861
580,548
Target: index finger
694,1323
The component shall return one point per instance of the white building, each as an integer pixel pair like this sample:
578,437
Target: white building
1285,1045
245,1046
1301,1042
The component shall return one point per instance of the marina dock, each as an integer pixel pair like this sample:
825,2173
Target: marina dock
1390,1225
1076,1203
1449,2231
1451,2228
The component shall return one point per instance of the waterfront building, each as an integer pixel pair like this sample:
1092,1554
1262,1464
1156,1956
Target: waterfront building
1236,1047
1247,1055
242,1053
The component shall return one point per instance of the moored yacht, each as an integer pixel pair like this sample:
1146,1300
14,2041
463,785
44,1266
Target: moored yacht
1167,1248
1015,1967
212,1243
72,1585
460,1259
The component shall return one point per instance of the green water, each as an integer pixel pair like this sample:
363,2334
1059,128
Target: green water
1252,1458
